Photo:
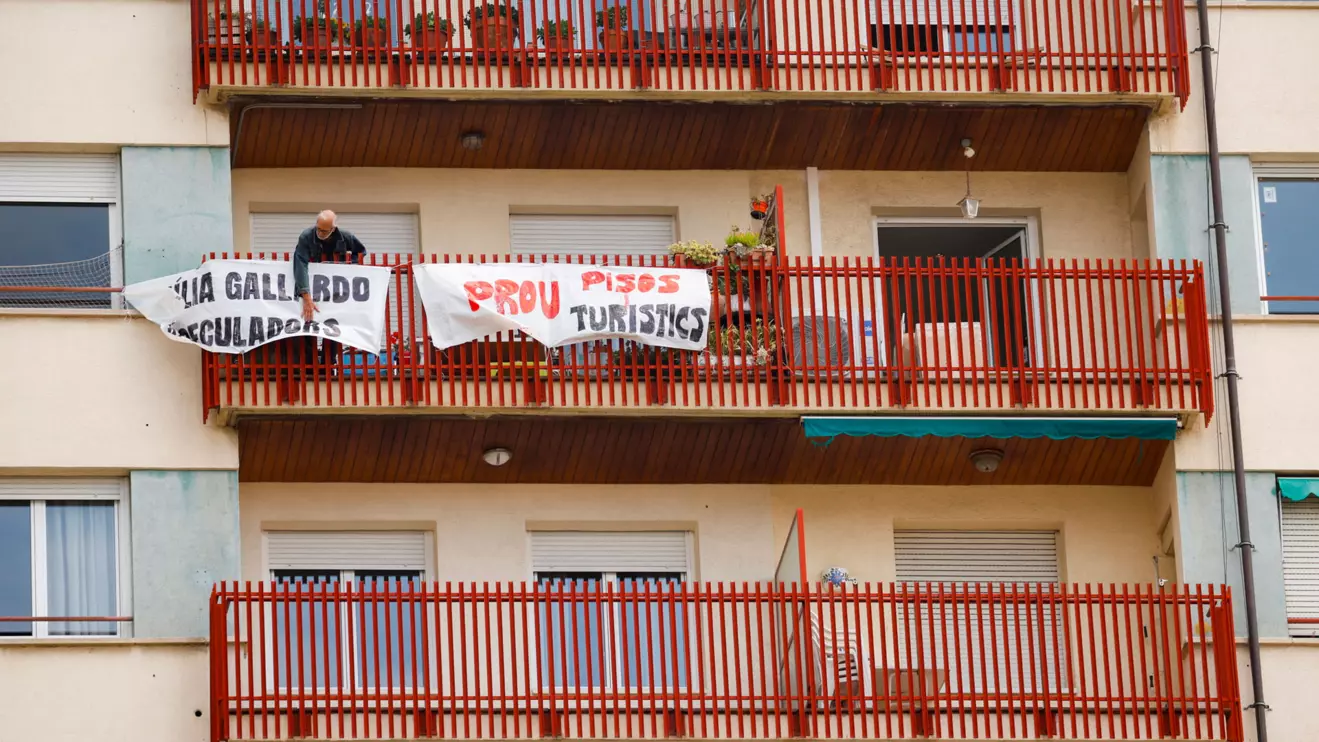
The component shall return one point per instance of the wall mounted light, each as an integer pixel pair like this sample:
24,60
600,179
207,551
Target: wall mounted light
497,456
473,141
986,460
969,204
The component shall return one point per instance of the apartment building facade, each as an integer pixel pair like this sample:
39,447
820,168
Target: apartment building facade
1007,428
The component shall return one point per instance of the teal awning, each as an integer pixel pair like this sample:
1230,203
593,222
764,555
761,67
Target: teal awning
1298,488
824,429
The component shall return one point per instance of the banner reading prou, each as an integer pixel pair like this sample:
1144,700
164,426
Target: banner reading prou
233,306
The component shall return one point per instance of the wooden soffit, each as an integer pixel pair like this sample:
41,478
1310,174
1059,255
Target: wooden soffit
582,450
684,136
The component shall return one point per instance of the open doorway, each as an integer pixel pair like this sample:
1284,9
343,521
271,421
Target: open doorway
989,313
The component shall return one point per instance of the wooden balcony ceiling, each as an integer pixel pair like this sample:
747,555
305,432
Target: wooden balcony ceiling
580,450
692,136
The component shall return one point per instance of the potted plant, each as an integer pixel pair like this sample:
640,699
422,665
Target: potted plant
746,246
759,207
694,254
371,32
428,32
226,27
494,25
556,35
318,30
263,34
751,344
615,28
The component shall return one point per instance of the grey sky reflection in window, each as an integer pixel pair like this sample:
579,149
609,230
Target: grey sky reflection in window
54,245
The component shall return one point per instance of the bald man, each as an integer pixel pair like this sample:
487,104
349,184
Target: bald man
325,241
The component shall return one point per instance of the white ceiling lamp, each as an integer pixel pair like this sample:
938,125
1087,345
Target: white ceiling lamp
986,460
969,204
497,456
473,141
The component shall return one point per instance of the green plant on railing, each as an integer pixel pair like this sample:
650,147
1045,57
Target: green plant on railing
428,22
614,18
322,20
742,243
370,21
561,30
699,254
485,11
757,340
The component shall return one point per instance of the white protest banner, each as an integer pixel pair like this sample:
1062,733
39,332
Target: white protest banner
558,303
233,306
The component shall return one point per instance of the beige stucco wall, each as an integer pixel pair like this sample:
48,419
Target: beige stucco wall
106,692
1108,533
1276,357
466,211
103,392
1289,673
1268,94
100,72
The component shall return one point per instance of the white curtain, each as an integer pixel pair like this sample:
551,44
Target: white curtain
80,566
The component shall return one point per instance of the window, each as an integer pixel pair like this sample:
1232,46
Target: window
591,234
341,632
918,27
60,558
1300,565
996,560
59,225
1289,221
624,641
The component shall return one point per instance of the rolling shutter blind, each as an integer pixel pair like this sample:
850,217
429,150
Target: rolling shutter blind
609,551
590,234
1300,562
1025,636
945,12
404,550
380,233
63,177
976,556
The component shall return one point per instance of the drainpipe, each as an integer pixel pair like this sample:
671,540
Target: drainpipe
1230,373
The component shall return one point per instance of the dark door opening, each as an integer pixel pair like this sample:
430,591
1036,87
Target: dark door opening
979,303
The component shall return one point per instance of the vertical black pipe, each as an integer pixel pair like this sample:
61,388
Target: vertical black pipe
1230,373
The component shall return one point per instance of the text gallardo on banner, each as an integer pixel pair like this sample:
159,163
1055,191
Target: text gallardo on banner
232,306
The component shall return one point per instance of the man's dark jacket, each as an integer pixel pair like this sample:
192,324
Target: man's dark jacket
345,246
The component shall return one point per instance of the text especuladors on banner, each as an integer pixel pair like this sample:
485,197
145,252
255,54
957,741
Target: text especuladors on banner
561,303
233,306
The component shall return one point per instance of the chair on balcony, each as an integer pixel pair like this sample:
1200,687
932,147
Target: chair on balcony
850,680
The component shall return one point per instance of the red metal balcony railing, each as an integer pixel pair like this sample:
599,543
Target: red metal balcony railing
650,659
835,46
795,334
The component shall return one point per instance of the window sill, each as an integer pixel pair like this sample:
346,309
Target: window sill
23,642
70,312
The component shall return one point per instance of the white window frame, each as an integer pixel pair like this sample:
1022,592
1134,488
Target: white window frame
610,578
116,228
1030,251
38,492
347,616
1271,171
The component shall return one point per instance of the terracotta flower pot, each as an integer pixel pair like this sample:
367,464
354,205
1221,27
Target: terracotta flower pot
315,36
759,209
616,39
493,35
265,38
557,43
370,38
433,39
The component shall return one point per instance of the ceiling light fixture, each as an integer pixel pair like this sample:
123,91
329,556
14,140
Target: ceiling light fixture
497,456
986,460
473,141
969,204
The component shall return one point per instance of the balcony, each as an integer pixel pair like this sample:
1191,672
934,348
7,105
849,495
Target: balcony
695,49
710,661
795,336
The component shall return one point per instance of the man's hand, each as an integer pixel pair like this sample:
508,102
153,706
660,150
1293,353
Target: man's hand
308,307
